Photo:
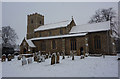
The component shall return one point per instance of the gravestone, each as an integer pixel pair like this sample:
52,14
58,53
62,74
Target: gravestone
35,57
82,57
57,57
72,56
29,60
9,57
24,61
63,55
19,57
38,59
46,56
71,53
43,58
86,54
3,57
53,58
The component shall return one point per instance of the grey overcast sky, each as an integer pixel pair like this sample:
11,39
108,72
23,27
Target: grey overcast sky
14,14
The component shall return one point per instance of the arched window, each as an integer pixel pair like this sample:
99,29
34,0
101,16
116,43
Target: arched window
73,44
97,42
53,44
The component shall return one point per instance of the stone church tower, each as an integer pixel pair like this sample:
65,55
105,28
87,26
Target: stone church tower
33,22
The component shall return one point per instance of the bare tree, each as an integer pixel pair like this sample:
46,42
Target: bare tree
9,36
102,15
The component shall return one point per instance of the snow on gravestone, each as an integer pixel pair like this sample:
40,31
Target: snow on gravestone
19,57
29,60
24,61
35,57
9,57
86,54
53,58
57,57
3,57
46,56
42,58
82,57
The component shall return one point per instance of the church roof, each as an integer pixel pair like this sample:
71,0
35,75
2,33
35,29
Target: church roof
95,27
53,25
30,43
59,36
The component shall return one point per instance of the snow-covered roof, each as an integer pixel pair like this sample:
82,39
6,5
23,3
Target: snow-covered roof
53,25
30,43
60,36
102,26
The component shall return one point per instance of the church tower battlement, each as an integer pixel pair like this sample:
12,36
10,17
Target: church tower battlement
33,21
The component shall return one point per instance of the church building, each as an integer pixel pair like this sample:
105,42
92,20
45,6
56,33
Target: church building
66,36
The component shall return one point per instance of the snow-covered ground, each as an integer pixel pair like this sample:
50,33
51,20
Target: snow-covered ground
88,67
0,69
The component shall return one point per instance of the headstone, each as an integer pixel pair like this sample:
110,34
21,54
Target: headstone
57,57
86,54
38,59
29,60
71,53
72,56
63,55
3,57
82,57
19,57
24,61
9,57
46,56
53,58
43,58
35,57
